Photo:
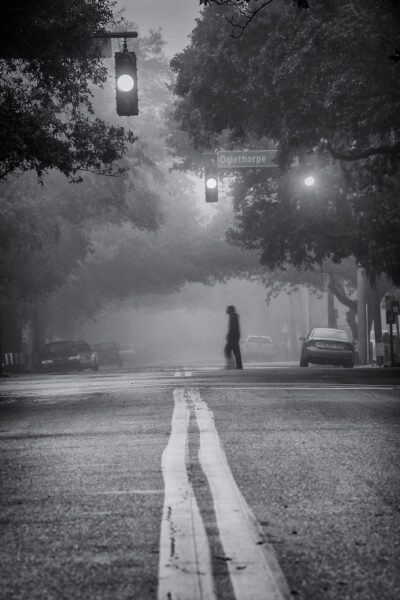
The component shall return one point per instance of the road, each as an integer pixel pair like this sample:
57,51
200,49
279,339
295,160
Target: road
198,483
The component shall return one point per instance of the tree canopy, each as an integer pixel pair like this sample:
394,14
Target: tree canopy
46,229
47,74
317,84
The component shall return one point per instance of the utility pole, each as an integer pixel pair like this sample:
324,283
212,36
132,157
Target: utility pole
361,316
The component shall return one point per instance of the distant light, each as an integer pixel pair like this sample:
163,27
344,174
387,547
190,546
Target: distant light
309,181
125,83
211,183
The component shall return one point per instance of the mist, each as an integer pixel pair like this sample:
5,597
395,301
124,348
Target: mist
189,327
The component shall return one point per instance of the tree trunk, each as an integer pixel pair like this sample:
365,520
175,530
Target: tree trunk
376,316
337,289
1,343
361,316
37,337
332,321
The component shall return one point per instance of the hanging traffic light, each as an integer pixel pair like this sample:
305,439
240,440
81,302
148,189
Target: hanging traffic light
126,83
211,179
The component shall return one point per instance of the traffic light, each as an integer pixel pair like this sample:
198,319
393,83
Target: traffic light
211,179
126,83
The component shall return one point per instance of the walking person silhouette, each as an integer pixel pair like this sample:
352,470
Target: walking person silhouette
232,338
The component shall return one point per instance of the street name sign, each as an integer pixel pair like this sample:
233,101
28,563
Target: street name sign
248,159
241,159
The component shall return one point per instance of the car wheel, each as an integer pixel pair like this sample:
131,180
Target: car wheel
303,362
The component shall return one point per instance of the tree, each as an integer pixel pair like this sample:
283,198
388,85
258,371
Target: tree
243,12
47,74
309,88
48,230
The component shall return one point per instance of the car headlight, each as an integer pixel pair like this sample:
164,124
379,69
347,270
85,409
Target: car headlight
77,357
47,362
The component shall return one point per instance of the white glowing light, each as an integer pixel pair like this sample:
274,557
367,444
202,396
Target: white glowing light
211,183
309,181
125,83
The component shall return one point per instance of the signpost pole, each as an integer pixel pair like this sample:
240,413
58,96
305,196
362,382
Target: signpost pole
391,346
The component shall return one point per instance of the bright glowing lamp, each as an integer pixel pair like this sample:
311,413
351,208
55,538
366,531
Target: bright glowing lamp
125,83
309,181
211,183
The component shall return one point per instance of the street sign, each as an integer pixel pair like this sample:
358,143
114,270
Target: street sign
390,318
248,159
395,305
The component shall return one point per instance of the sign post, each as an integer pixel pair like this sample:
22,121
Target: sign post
392,306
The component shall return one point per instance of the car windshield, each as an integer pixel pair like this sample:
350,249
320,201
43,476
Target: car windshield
330,334
259,339
106,346
58,349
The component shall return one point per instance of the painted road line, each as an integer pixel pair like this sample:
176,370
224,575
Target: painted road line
185,564
253,568
184,373
299,388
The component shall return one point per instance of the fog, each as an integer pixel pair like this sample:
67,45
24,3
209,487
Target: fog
190,327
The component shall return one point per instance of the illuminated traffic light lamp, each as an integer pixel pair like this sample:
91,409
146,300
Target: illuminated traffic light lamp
211,179
309,181
126,83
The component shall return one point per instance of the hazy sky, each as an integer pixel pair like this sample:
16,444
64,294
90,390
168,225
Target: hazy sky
175,17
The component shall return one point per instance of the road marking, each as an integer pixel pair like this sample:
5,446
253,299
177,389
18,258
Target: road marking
184,373
299,388
185,563
254,570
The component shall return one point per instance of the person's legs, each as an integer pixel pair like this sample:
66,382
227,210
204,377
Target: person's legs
238,356
228,355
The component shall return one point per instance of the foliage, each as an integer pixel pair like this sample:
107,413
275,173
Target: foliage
46,230
126,262
47,73
319,85
243,12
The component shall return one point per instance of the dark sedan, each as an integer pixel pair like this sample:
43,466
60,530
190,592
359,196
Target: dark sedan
68,356
327,346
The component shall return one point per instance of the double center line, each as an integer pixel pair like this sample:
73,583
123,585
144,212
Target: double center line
185,567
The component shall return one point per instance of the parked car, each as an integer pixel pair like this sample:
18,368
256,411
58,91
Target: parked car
327,346
108,353
258,348
127,353
68,356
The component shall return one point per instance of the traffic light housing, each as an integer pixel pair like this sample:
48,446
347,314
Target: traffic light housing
126,84
211,184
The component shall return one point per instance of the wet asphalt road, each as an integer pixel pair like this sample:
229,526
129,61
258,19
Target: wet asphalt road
315,452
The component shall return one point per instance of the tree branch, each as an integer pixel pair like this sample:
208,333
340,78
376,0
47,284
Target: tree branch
338,290
360,154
